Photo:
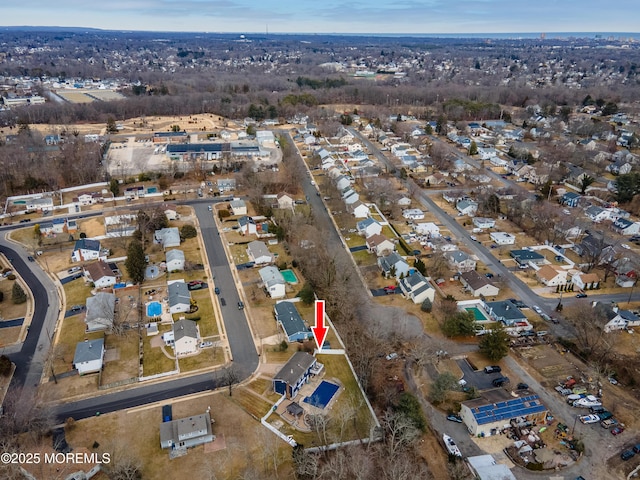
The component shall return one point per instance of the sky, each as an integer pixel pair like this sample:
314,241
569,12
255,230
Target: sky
330,16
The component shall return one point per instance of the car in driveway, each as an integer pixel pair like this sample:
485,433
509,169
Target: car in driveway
587,419
196,285
74,270
492,369
454,418
206,344
500,381
390,289
581,295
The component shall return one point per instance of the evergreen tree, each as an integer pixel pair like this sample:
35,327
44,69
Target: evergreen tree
135,262
495,344
18,295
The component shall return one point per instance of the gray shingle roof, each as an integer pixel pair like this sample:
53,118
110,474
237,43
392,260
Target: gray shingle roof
178,293
185,328
287,314
295,368
88,350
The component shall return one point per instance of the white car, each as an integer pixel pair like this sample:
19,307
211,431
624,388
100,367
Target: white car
589,419
537,309
624,245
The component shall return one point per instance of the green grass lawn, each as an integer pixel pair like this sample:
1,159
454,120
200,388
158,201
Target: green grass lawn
251,403
154,360
388,232
204,316
72,333
364,258
354,240
76,293
208,357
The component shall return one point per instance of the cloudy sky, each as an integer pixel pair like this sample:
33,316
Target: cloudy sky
330,16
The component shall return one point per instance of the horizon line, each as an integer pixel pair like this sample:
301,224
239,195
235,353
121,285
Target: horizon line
382,34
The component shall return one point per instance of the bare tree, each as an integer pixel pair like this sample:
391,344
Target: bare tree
228,377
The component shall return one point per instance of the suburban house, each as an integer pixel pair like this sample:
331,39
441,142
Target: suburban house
502,238
380,245
186,432
404,201
570,199
488,414
619,167
185,337
428,228
89,356
413,214
238,207
626,227
550,276
478,285
291,322
597,214
170,211
525,257
342,182
179,297
368,227
485,467
100,311
167,237
460,261
259,254
285,200
175,260
393,265
506,312
359,209
617,319
294,374
585,281
273,281
351,198
482,222
247,226
417,288
85,249
467,207
100,274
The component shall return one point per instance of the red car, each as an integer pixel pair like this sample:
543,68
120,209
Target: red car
617,430
390,289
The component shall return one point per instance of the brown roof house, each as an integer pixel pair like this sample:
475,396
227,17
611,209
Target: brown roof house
380,245
478,285
100,274
551,277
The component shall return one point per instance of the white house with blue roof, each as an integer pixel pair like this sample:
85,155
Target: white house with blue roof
626,227
488,414
570,199
368,226
85,249
417,288
291,322
505,312
89,356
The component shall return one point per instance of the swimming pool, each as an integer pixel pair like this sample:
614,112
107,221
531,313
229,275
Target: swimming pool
154,309
477,314
289,276
322,395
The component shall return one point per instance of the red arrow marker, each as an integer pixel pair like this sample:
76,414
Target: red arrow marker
319,330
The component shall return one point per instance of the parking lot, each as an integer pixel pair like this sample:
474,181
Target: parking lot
477,378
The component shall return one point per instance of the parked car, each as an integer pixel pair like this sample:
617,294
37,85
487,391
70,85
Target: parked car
77,308
522,386
390,289
240,305
586,402
617,430
527,333
217,290
206,344
195,285
74,270
492,369
223,301
31,259
636,448
392,356
587,419
454,418
605,415
500,381
597,409
537,309
563,391
488,275
581,295
611,422
555,321
627,454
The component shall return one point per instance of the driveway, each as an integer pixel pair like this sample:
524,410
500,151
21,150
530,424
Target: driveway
476,378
